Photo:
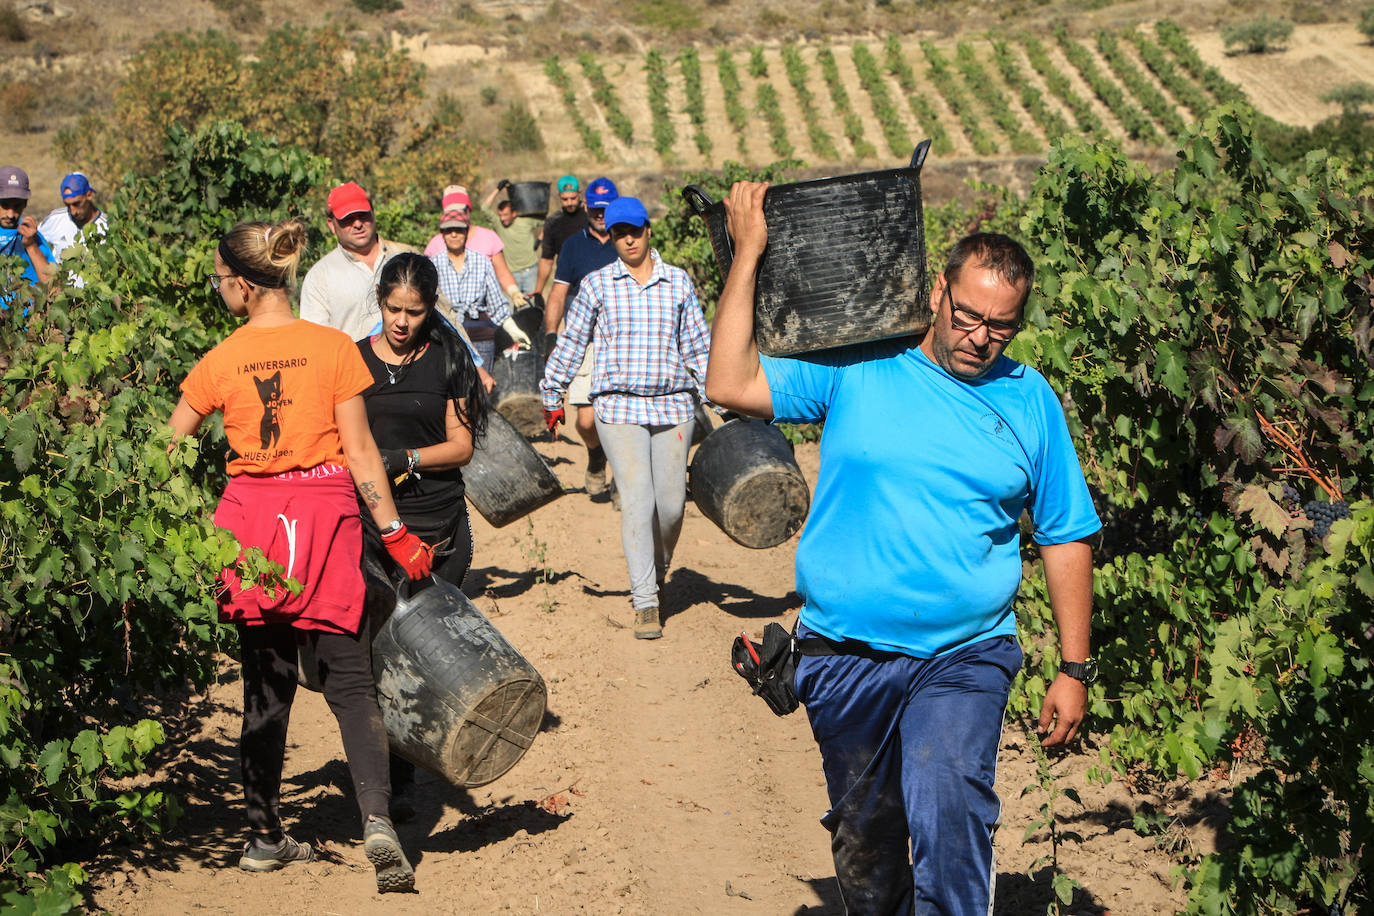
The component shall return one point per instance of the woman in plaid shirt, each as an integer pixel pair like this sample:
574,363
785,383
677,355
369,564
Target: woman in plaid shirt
651,347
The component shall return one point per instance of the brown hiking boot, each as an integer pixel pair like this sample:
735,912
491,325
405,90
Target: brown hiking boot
647,625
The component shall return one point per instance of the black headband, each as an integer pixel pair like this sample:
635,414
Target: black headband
240,269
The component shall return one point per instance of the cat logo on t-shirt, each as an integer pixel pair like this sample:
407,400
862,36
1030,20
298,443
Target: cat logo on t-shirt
269,389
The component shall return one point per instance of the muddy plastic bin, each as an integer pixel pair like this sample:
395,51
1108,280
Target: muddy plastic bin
507,479
529,198
745,479
845,263
456,697
516,396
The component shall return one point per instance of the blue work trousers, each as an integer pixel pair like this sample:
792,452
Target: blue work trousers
909,747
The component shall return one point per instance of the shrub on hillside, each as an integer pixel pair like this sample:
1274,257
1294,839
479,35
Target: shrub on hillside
1256,36
1366,24
520,130
18,106
1352,97
315,87
11,26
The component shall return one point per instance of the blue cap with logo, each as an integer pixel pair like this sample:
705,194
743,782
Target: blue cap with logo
74,185
626,211
600,193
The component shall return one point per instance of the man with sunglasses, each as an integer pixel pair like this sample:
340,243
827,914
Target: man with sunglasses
586,252
911,561
341,289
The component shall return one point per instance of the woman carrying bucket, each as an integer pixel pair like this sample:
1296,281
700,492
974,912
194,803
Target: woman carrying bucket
291,394
426,408
651,347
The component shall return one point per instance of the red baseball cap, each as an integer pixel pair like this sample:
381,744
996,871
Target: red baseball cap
348,198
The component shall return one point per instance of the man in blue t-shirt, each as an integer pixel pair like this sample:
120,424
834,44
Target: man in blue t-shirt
19,236
910,562
581,256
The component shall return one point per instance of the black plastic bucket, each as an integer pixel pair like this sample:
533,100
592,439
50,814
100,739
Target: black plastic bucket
507,479
516,396
744,478
845,263
530,198
456,697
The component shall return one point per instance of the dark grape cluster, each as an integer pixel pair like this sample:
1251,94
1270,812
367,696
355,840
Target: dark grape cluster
1291,497
1323,514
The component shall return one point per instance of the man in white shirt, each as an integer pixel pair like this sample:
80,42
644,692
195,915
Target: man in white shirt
62,226
340,291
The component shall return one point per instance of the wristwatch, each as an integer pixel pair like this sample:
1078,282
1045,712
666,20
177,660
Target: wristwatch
392,528
1085,671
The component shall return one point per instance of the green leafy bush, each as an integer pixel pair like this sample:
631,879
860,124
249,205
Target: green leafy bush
107,581
1209,329
1366,24
1257,36
355,101
1352,97
520,130
378,6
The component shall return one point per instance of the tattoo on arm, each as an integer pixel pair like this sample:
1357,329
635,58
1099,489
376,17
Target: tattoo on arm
369,491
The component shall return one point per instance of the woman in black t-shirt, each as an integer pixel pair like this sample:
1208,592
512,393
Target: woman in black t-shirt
426,408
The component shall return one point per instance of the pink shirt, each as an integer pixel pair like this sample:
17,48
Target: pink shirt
480,239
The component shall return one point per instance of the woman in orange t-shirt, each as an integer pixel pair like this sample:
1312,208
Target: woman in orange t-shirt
291,395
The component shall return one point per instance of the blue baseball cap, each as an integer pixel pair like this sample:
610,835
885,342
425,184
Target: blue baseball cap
568,183
74,185
600,193
627,211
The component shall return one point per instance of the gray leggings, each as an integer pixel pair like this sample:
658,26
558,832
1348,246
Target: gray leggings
649,464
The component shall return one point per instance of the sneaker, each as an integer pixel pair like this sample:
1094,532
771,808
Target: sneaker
383,849
265,857
646,623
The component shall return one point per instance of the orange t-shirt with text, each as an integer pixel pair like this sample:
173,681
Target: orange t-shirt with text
278,388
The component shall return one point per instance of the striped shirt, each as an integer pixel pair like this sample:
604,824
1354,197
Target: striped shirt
651,345
473,291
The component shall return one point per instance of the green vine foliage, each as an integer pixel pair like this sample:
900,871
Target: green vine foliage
110,554
1209,329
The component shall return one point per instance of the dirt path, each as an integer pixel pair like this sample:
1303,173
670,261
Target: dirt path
665,787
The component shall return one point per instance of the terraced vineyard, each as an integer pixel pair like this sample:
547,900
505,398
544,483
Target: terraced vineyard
836,103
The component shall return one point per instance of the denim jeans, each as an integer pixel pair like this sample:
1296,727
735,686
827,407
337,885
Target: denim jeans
909,748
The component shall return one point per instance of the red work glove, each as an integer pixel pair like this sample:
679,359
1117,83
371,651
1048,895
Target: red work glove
553,417
415,556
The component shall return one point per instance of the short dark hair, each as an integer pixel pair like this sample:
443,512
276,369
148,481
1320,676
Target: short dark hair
504,204
1001,254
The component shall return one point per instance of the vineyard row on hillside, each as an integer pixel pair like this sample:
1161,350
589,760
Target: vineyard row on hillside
1010,96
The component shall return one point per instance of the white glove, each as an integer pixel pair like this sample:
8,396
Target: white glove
517,298
517,335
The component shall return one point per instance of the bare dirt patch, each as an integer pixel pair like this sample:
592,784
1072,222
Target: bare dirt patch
657,786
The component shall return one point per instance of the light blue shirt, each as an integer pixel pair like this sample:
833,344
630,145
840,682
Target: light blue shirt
912,543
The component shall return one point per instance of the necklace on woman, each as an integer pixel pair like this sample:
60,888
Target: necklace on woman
398,371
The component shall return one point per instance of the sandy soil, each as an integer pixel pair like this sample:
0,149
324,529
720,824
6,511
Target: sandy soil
658,785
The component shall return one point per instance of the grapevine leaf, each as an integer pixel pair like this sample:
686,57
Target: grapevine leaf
53,760
86,747
1256,502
